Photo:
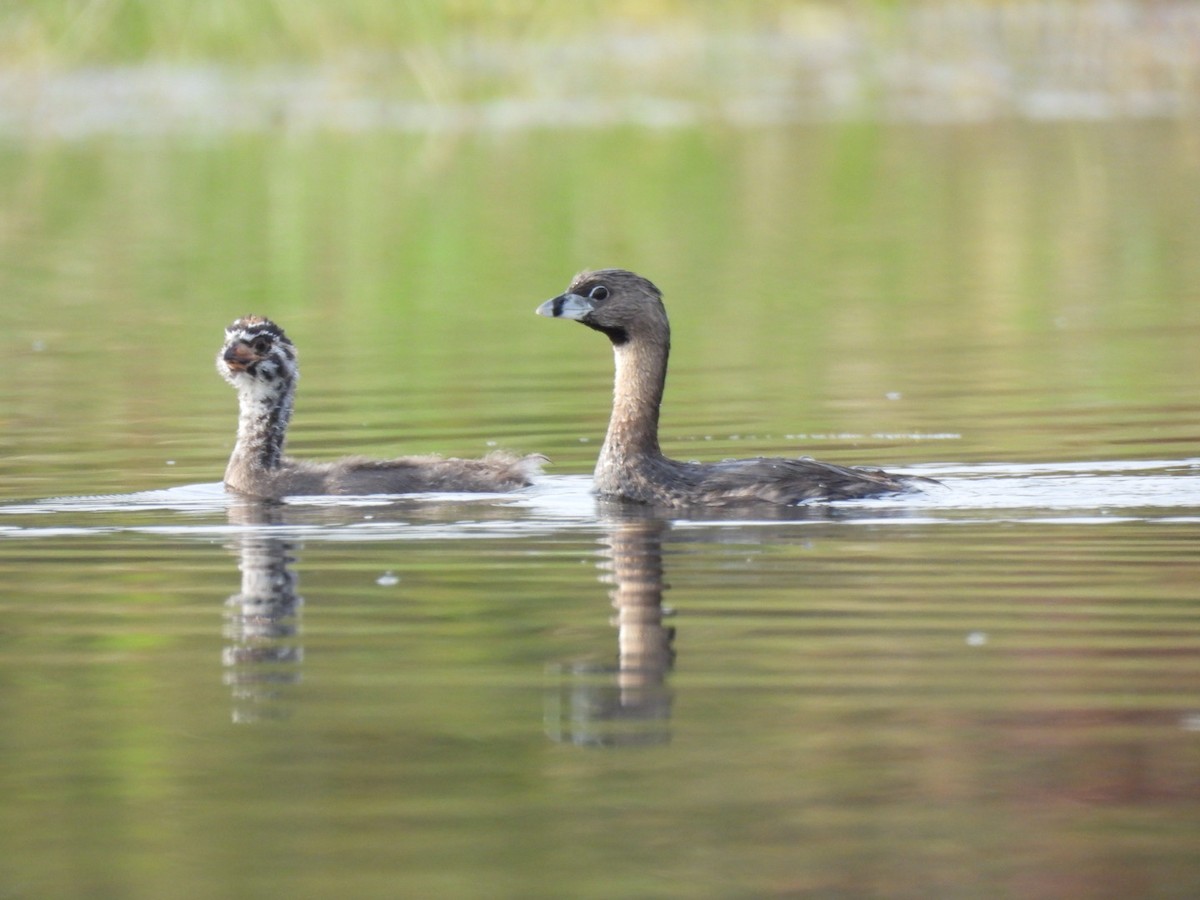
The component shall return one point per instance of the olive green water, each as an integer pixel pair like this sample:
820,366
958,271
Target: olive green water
991,690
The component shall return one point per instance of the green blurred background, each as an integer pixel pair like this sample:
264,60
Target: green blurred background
976,221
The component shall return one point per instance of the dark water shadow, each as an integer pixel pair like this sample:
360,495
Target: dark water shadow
627,703
263,656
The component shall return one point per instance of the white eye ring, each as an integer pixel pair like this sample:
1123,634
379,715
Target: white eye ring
599,292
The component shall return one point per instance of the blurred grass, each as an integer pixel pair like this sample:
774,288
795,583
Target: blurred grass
90,32
811,269
76,68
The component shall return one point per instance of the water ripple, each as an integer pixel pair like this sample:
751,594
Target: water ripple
1068,493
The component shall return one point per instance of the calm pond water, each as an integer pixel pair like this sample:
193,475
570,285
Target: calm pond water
990,689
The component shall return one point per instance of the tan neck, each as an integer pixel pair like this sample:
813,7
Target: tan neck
641,370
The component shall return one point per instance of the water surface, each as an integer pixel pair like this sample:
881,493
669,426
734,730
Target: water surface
988,689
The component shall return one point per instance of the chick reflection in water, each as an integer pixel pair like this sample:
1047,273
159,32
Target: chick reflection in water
261,621
631,704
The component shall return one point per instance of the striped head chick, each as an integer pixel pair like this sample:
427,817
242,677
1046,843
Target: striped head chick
260,362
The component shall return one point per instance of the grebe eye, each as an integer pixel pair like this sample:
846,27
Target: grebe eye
261,345
599,292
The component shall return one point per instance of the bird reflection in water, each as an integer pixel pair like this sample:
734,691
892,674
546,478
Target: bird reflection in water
629,705
262,657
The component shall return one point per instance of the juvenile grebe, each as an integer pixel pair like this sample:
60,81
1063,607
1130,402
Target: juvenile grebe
260,362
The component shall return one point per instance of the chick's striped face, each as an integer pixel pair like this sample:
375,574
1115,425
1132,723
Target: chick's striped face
256,352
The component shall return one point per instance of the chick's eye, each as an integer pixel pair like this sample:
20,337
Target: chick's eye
261,345
599,292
